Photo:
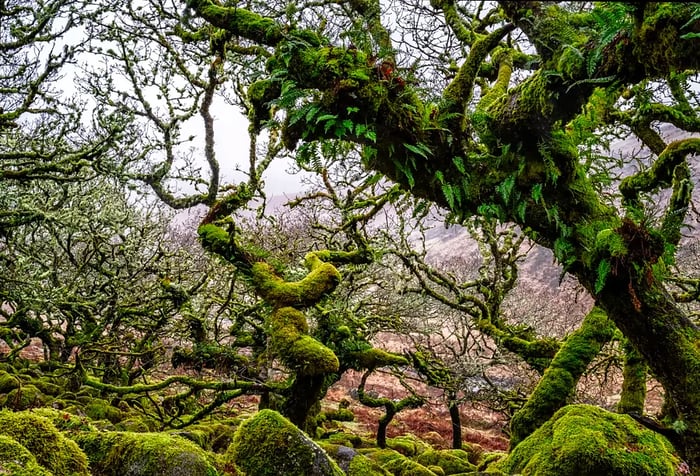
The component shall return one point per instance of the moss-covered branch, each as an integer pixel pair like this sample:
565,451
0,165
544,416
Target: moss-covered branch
240,22
140,388
560,379
634,385
662,171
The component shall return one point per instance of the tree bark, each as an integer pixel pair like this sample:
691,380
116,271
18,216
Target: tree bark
634,383
649,317
456,419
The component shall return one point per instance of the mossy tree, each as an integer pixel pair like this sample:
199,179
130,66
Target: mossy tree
481,147
503,133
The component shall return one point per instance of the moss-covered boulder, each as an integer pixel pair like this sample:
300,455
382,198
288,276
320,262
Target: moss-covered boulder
352,462
47,387
64,421
51,448
116,453
24,397
270,445
8,382
582,440
99,409
215,437
16,460
450,461
407,467
408,445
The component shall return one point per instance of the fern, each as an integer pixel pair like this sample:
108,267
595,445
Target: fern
459,163
419,149
505,188
448,192
612,19
603,272
407,172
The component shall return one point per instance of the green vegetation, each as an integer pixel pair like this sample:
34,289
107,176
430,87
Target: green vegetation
52,449
118,453
582,439
150,338
268,444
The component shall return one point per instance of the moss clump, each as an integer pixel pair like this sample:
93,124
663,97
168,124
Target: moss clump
586,440
451,463
363,466
298,350
407,467
352,462
47,388
16,460
51,449
64,421
270,445
322,278
373,358
136,425
559,380
8,382
408,445
344,439
99,409
487,459
214,437
24,397
144,454
341,414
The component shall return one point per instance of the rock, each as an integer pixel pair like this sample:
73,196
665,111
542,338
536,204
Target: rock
52,449
270,445
583,439
16,460
122,453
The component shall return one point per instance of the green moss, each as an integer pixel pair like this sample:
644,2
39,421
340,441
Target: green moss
360,465
51,449
634,383
407,467
299,351
63,420
449,462
270,445
8,382
99,409
585,440
320,280
345,439
341,414
25,397
215,239
47,388
559,380
659,46
372,358
408,445
488,459
144,454
381,456
16,460
260,94
352,462
240,21
209,436
136,425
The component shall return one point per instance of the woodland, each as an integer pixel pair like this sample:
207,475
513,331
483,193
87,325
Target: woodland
164,311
